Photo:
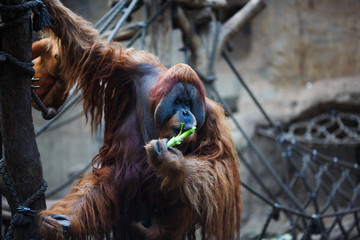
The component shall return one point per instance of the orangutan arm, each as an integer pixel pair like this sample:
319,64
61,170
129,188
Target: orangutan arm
70,27
88,61
75,37
211,187
87,206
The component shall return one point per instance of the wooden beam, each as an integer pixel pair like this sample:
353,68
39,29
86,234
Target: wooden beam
125,33
238,21
204,3
198,54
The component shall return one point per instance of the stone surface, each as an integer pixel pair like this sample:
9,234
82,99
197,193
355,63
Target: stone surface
301,41
66,149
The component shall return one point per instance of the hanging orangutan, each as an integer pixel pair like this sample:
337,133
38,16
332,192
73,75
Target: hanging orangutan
139,187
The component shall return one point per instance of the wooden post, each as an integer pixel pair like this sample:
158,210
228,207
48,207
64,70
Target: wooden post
160,34
1,192
22,157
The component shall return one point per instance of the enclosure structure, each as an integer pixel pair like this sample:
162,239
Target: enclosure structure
316,194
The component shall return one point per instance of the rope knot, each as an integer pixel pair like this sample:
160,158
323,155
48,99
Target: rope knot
24,216
42,17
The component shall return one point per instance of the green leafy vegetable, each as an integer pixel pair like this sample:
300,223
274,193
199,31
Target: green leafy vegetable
180,137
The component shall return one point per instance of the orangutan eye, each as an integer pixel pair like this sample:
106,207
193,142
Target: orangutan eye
177,101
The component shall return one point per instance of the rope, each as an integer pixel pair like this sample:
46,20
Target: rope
66,107
301,219
23,215
27,67
42,17
19,7
238,76
47,113
38,101
253,146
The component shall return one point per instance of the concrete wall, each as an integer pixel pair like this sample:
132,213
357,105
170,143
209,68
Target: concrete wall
307,40
65,150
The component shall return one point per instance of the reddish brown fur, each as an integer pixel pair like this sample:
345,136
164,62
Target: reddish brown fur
198,186
53,87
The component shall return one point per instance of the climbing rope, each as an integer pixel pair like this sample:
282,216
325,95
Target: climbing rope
47,113
330,190
41,19
41,16
23,215
27,67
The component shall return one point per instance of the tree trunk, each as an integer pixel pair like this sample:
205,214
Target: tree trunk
22,157
160,33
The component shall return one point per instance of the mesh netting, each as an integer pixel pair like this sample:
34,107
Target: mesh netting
330,128
317,193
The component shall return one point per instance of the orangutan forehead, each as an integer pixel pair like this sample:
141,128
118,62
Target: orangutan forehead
184,90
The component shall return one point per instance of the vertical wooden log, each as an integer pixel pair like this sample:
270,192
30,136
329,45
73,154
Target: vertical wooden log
1,192
160,33
20,149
